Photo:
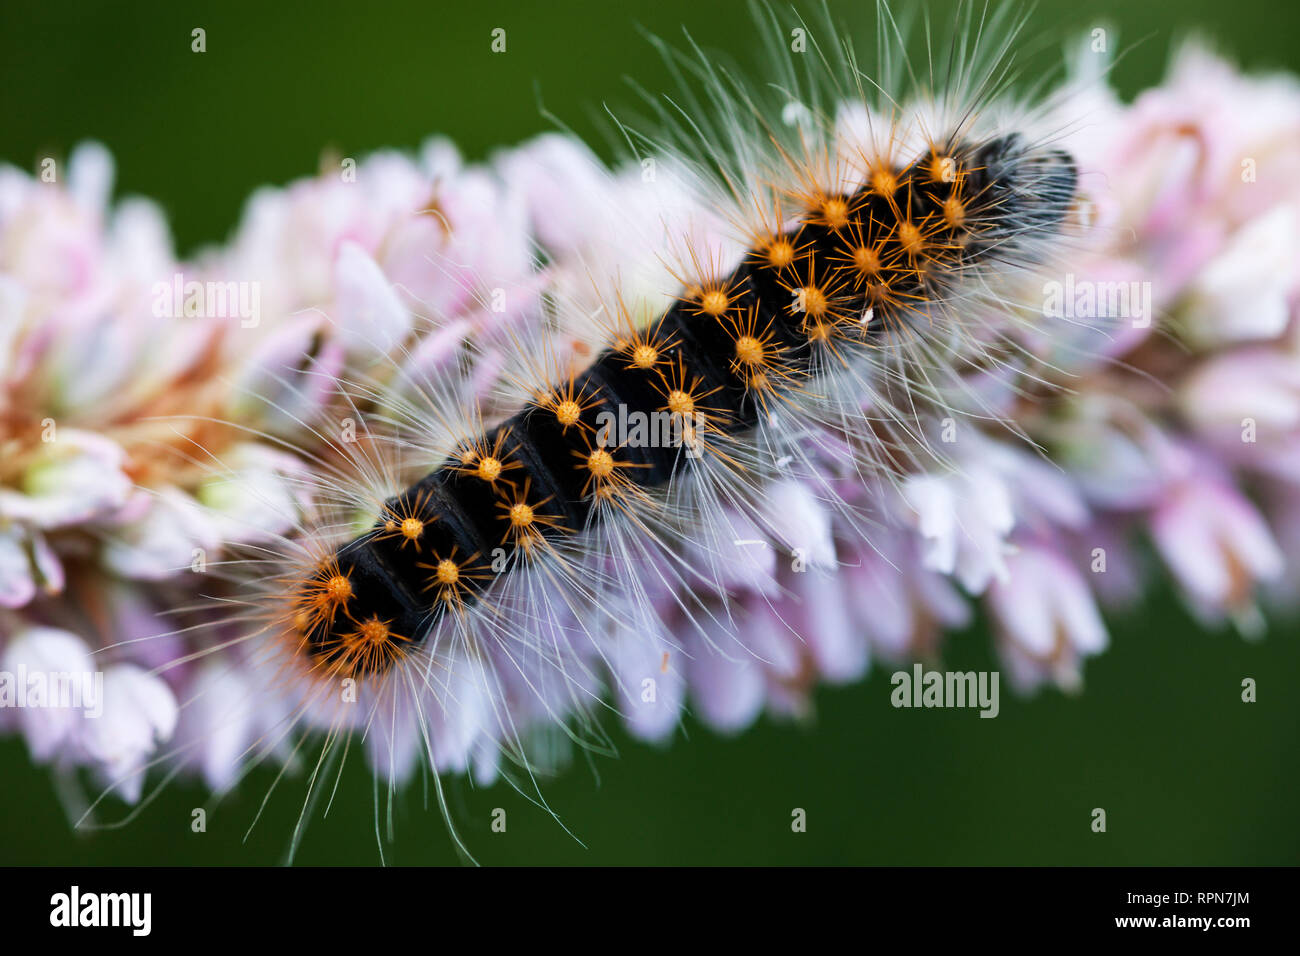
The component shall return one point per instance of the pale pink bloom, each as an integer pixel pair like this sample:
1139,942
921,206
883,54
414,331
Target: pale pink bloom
370,316
648,683
1229,393
965,518
901,605
74,478
140,712
1200,155
459,716
174,533
565,189
1046,617
1117,456
727,684
218,725
257,494
288,375
17,581
1246,291
1216,544
737,553
797,519
1247,404
52,656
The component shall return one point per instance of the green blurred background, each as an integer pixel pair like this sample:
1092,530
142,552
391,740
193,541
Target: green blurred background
1160,738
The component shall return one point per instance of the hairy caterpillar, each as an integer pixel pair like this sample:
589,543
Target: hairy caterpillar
484,560
804,301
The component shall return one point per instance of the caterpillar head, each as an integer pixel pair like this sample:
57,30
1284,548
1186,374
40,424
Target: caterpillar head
346,619
1025,189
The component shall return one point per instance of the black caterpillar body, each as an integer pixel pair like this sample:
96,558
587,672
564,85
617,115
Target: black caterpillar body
724,346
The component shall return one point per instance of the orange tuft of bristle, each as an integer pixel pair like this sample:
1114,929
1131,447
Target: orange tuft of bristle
521,515
680,403
451,579
834,212
446,573
644,356
866,260
749,350
779,254
488,461
337,589
405,520
567,412
910,238
317,601
820,332
954,212
372,648
714,302
941,169
884,182
813,301
525,520
567,402
600,463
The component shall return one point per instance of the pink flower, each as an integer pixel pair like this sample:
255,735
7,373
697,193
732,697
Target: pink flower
139,713
1246,291
1046,617
1247,403
901,605
370,316
1216,544
174,532
964,519
49,657
74,478
727,684
17,582
649,686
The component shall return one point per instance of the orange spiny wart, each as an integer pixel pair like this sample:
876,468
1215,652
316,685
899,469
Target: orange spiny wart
833,212
713,298
483,459
370,647
404,521
645,347
721,359
450,580
779,253
317,602
602,474
883,182
569,404
525,522
684,395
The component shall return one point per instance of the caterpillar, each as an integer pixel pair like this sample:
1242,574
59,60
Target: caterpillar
803,301
572,507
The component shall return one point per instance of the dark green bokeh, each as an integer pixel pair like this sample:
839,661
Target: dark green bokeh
1160,737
